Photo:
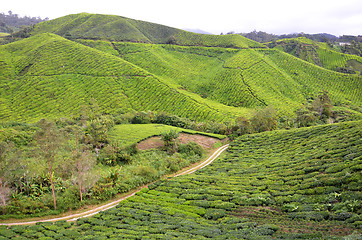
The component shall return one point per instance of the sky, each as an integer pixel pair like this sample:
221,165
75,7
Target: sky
342,17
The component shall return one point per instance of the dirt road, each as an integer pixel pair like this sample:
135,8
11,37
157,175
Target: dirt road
74,217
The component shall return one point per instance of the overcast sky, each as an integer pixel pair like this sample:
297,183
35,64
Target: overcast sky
338,17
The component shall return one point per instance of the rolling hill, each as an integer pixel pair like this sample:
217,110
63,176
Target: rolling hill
49,76
202,77
117,28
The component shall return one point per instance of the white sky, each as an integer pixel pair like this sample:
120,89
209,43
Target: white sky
338,17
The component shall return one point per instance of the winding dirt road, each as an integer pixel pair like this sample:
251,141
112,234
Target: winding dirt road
74,217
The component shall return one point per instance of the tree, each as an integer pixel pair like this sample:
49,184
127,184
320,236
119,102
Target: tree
322,104
84,162
242,126
97,132
169,140
4,174
49,140
305,117
264,120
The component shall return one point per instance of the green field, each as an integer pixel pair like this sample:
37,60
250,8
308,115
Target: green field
303,183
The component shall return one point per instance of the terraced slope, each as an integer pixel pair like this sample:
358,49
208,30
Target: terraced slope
215,78
320,54
110,27
303,183
297,184
49,76
246,78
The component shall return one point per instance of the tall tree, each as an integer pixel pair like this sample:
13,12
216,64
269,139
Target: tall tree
322,104
264,119
84,162
169,140
49,140
4,174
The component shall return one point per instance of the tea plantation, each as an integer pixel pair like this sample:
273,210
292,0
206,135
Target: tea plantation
71,60
302,183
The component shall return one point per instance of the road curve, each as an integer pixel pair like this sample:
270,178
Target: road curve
74,217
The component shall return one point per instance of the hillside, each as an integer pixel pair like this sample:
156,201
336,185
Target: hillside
117,28
207,78
246,78
298,184
320,54
49,76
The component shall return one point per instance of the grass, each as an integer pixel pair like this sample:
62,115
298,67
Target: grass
127,134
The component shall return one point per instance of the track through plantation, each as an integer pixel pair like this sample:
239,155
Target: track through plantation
104,207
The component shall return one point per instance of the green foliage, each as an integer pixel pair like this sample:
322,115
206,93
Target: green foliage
190,148
169,140
273,185
320,54
264,120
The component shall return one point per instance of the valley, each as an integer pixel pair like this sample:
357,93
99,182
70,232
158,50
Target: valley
95,109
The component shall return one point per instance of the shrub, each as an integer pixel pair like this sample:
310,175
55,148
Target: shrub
267,229
148,172
191,148
214,214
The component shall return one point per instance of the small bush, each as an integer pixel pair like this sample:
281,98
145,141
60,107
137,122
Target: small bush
190,149
214,214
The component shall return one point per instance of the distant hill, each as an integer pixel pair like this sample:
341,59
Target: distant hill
117,28
196,31
263,37
13,22
321,54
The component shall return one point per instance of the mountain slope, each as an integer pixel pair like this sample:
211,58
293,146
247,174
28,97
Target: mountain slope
215,78
97,26
49,76
320,54
241,77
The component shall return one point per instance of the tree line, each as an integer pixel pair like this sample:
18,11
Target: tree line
12,22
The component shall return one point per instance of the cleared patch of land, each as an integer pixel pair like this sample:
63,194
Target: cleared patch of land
128,134
156,142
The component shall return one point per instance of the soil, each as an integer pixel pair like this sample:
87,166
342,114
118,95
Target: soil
156,142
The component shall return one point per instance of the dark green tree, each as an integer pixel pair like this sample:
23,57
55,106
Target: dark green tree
322,104
264,120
